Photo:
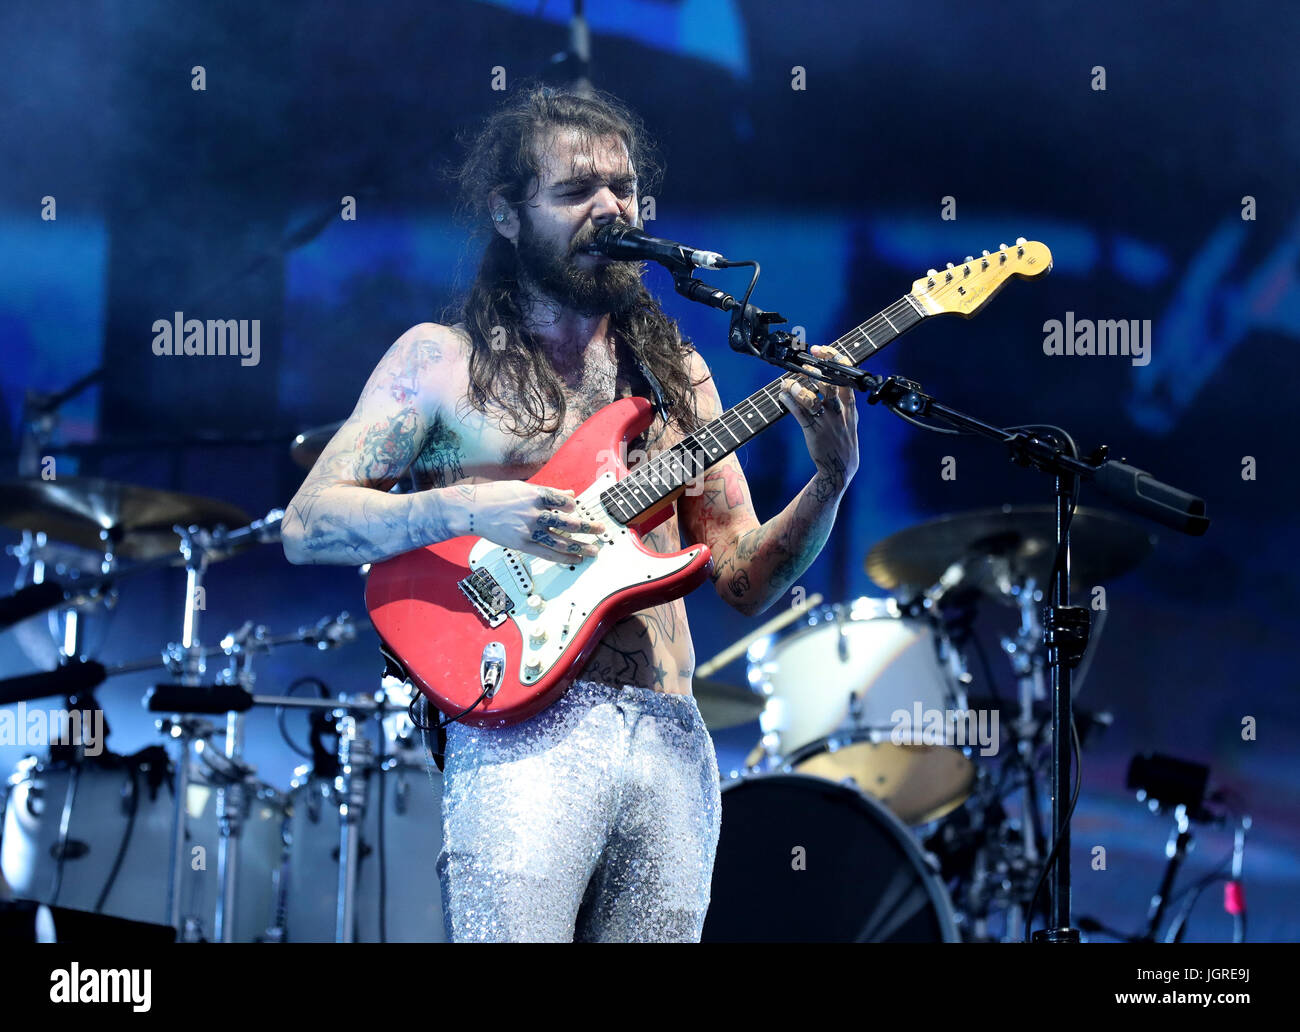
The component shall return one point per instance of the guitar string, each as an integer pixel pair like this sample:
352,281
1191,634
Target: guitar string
651,474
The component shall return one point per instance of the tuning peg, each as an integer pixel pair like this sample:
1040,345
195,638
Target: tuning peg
949,265
984,253
1002,247
1021,240
932,272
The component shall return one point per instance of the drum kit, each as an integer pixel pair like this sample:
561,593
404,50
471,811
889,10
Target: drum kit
878,805
883,802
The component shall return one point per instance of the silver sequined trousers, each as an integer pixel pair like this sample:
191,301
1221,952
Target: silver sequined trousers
594,821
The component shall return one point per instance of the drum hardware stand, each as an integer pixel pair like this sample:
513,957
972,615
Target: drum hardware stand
70,647
189,660
1023,651
192,664
356,756
186,730
232,800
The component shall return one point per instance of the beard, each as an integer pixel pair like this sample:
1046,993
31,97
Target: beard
553,271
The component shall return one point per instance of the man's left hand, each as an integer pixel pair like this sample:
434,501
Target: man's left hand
831,431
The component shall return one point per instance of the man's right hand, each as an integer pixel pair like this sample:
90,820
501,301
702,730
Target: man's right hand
530,518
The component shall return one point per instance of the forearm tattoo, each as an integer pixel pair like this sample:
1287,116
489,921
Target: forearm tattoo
762,563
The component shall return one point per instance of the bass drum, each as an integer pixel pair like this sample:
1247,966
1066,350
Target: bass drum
802,859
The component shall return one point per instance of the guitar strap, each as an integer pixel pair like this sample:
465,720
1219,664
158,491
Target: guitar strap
656,388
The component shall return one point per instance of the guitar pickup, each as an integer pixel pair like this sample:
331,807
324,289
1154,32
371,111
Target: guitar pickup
598,516
518,568
487,597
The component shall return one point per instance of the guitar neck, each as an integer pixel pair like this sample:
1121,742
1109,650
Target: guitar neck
673,468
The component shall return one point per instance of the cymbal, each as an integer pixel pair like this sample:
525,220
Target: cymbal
139,520
1023,538
726,705
308,445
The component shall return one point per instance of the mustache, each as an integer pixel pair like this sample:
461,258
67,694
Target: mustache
587,234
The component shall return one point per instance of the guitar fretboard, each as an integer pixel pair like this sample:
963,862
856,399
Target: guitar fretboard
673,468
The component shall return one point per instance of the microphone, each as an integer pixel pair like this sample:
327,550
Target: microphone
627,243
1139,491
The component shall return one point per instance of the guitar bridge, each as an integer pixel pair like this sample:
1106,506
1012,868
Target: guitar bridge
486,596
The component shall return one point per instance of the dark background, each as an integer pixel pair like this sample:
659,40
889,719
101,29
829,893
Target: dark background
171,199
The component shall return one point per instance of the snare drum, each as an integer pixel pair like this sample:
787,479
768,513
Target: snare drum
836,682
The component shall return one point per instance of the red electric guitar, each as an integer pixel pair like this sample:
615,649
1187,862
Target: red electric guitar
470,621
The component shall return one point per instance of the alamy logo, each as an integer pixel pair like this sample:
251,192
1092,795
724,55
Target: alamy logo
920,726
194,337
1131,337
102,985
41,727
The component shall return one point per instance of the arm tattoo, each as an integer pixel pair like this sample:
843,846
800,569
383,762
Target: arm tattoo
343,512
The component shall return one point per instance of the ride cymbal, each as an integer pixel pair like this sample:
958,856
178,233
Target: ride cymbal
1102,546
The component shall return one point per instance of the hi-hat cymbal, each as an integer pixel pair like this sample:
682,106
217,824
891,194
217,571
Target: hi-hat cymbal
82,511
726,705
308,445
1102,546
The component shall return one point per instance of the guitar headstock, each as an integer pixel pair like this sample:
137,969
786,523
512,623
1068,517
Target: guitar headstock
966,288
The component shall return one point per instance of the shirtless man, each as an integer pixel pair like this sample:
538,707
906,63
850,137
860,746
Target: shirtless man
597,818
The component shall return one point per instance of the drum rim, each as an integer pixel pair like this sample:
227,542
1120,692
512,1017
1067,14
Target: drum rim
862,609
861,736
935,889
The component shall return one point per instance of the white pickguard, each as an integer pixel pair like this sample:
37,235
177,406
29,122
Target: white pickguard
551,599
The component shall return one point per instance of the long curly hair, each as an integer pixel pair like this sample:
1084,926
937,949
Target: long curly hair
516,374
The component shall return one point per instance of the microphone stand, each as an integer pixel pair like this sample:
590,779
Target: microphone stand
1065,627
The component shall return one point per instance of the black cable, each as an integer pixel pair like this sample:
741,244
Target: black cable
410,711
744,302
1069,511
70,803
280,712
131,772
1219,872
1174,933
